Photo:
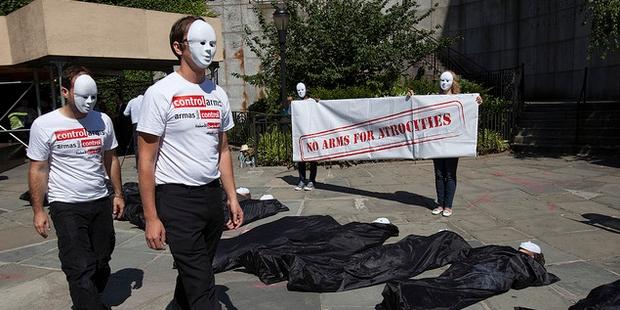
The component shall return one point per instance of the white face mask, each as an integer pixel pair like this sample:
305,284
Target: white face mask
301,90
84,93
445,81
201,40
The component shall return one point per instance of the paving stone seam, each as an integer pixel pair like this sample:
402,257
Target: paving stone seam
41,267
484,305
38,255
565,293
597,262
301,208
28,245
126,241
567,262
147,264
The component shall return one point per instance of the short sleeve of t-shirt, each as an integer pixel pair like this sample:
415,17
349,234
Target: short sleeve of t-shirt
127,111
227,118
154,112
109,142
38,146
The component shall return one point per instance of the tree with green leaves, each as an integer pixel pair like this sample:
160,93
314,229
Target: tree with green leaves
340,44
604,19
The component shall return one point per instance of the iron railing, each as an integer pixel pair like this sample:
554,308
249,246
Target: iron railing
249,126
507,84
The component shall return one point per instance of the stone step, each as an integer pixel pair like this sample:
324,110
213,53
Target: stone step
569,148
564,139
584,131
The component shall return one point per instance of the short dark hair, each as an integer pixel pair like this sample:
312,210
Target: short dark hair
71,72
179,29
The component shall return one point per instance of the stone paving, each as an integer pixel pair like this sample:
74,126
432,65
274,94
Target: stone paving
570,207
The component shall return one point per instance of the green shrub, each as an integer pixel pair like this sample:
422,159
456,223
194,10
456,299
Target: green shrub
419,87
275,148
344,92
490,142
468,87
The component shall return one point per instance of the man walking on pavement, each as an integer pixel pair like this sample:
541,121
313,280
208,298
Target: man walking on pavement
71,151
133,110
185,166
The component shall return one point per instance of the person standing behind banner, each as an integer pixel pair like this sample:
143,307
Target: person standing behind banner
305,184
445,168
184,154
71,151
133,110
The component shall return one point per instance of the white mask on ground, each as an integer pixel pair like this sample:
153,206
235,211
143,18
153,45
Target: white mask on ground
84,93
445,81
301,90
201,40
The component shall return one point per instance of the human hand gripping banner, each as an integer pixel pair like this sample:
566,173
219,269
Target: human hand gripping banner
436,126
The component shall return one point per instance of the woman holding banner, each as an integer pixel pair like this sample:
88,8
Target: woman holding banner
305,184
445,168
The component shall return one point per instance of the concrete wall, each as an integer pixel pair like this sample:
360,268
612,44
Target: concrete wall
5,47
548,37
235,15
26,29
80,29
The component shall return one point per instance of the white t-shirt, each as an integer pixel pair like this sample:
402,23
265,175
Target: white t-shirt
133,109
188,118
74,150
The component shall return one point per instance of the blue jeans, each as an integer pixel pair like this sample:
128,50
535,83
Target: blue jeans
445,180
301,168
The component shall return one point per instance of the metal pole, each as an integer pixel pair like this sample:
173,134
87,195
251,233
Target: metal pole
37,91
59,68
16,102
578,108
282,39
52,87
14,136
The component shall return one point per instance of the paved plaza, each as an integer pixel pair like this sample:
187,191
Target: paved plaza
568,206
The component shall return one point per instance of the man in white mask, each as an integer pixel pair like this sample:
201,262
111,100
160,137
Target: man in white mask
185,161
133,110
71,151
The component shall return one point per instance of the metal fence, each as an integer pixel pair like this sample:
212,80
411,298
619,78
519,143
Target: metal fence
249,126
507,84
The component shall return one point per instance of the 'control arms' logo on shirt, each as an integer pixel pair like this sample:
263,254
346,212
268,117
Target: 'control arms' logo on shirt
194,101
210,114
70,134
91,142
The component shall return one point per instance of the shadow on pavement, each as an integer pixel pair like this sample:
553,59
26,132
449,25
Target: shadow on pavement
120,285
601,160
398,196
601,221
224,298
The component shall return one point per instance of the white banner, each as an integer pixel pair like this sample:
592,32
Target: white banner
436,126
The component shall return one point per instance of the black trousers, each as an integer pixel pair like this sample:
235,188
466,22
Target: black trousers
134,139
193,217
301,168
86,239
